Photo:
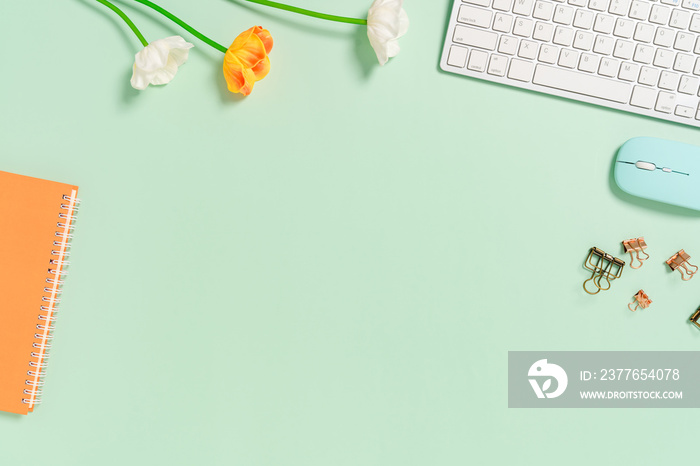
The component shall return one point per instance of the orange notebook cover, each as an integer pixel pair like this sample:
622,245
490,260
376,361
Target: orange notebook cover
36,224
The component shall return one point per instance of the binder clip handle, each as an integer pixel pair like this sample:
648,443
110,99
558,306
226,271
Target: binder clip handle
642,299
635,247
688,271
603,267
695,318
680,262
598,288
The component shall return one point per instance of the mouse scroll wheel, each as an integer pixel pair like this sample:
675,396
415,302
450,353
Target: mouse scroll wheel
645,165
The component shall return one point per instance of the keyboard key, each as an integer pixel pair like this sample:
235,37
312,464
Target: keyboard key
474,16
680,19
644,32
523,27
663,58
689,85
477,60
568,58
478,2
544,10
583,40
624,28
528,49
520,70
643,53
563,36
619,7
640,10
563,14
600,5
609,67
498,65
648,76
664,37
691,4
660,14
643,97
695,23
588,63
666,102
604,24
683,111
696,70
457,56
548,54
623,49
523,7
475,37
580,2
669,80
543,31
502,5
671,2
629,72
502,22
584,84
603,44
508,45
583,19
684,41
684,63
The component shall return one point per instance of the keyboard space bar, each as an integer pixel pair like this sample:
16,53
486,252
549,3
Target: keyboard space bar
582,83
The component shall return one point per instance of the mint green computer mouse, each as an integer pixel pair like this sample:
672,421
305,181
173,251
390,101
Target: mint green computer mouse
660,170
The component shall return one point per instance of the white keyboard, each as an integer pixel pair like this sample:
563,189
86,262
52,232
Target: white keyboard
642,56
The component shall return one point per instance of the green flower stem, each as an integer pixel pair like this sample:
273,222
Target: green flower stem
301,11
126,19
183,25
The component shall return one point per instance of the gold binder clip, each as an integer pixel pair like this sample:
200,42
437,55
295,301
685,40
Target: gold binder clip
634,247
604,267
641,299
679,261
695,318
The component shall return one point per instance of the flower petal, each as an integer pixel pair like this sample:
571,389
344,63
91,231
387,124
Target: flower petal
246,60
386,22
157,63
265,37
139,79
248,48
238,78
261,69
152,56
179,48
164,75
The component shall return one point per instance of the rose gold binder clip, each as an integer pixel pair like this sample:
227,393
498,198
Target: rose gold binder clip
679,261
641,299
604,267
634,247
695,318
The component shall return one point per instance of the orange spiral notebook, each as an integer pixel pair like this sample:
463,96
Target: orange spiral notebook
36,224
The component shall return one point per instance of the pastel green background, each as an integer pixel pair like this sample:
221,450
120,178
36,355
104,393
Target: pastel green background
331,271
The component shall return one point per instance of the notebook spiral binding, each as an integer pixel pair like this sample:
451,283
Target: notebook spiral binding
52,297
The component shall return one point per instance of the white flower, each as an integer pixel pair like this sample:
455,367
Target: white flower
386,22
157,63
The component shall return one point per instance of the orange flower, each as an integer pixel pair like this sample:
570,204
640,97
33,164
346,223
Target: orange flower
246,61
